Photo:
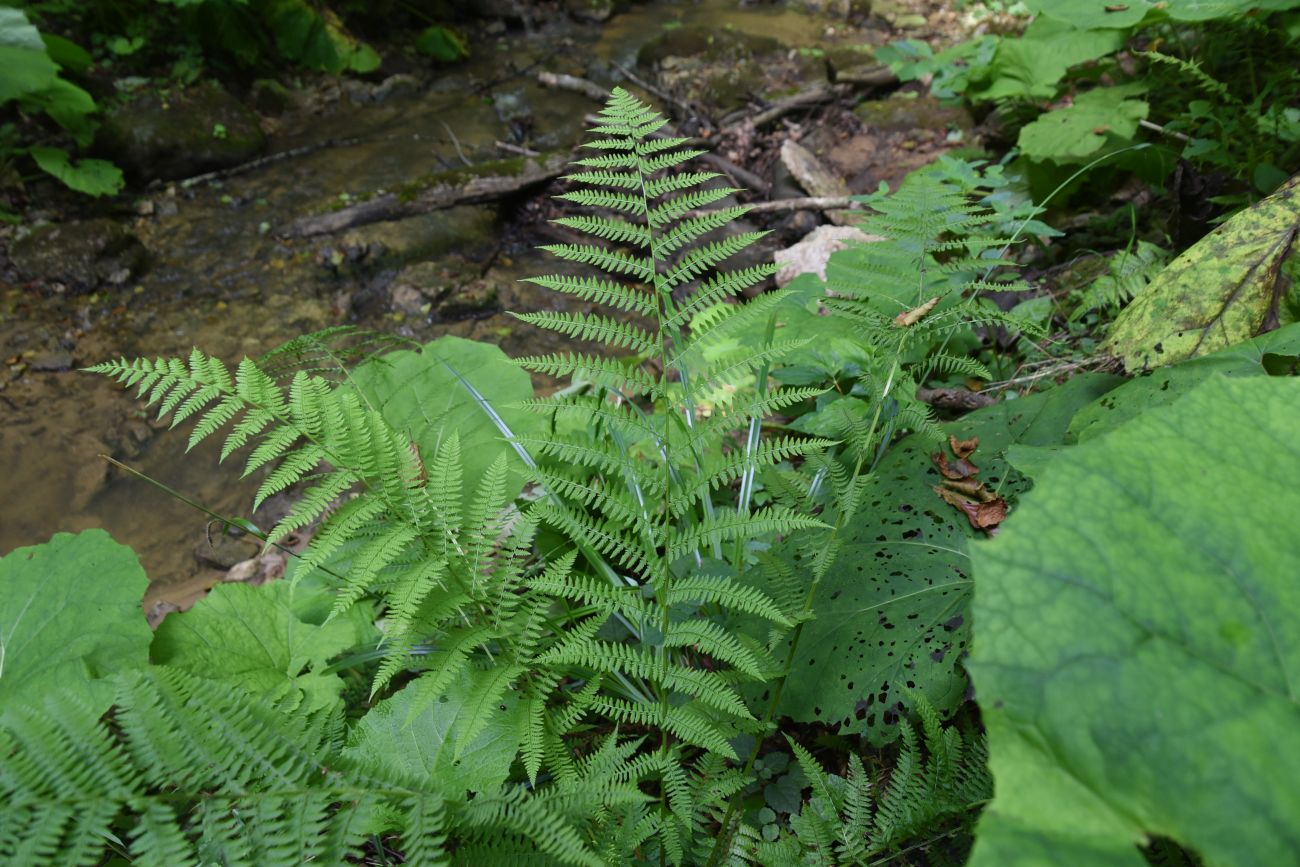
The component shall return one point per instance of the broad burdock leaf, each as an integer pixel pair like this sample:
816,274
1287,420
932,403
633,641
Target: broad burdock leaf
424,745
256,638
1225,289
892,613
1137,641
69,616
443,389
1081,130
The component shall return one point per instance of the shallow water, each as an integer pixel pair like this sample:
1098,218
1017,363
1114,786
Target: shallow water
220,279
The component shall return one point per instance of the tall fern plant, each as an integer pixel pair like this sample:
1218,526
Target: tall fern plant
647,479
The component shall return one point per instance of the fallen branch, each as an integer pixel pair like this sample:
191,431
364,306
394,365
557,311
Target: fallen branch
866,76
807,203
803,99
269,159
484,182
571,82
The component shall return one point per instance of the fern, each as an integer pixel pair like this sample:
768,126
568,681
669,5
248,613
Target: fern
937,784
910,295
186,771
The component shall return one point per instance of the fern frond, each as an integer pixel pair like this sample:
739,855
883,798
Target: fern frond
582,326
600,291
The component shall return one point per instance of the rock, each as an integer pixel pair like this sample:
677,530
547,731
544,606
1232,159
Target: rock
815,178
810,255
590,10
716,68
905,112
222,552
80,254
257,570
270,97
50,362
88,479
198,130
474,299
449,291
409,300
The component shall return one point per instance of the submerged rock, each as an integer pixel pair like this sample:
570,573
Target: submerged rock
81,255
444,291
716,68
194,131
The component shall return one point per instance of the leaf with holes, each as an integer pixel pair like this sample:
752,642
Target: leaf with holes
1138,660
1225,289
70,616
892,612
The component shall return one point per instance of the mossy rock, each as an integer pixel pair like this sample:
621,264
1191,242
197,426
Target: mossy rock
197,130
705,42
903,112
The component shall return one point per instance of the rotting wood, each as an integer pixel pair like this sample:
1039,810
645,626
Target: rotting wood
484,182
867,76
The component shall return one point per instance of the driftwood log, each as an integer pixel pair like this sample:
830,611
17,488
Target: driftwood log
483,182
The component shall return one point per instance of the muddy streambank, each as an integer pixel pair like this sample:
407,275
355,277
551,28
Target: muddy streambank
171,266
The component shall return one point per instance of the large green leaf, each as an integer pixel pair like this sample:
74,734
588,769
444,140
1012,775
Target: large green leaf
316,38
1090,14
457,385
892,611
260,639
25,66
1223,290
1269,354
1030,67
69,615
1076,133
92,177
426,745
1137,653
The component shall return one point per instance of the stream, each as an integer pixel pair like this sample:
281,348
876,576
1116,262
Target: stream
219,278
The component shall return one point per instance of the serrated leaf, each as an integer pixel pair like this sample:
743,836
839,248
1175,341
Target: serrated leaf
255,638
1225,289
69,616
1137,655
1078,132
425,745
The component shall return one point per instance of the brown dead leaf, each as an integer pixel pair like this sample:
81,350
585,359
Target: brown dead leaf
916,314
986,516
963,448
958,469
971,487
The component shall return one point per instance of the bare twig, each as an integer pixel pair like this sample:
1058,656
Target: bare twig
517,149
872,76
1155,127
812,96
267,160
571,82
806,203
456,143
485,183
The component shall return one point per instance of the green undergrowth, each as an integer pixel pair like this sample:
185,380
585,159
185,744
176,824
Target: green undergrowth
1210,84
713,602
